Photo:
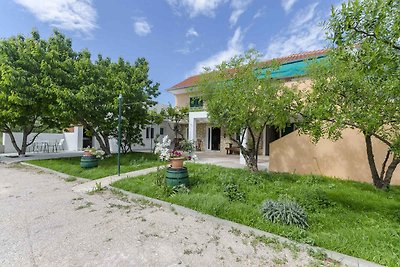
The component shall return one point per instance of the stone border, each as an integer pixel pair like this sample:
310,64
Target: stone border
342,258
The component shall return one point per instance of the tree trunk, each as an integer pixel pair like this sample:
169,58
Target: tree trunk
104,144
389,173
24,141
371,161
250,158
13,142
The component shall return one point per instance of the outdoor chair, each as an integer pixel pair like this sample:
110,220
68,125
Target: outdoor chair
60,145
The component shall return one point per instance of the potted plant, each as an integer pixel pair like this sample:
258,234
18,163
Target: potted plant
176,173
91,157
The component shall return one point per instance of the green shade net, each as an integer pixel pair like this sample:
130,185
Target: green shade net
290,69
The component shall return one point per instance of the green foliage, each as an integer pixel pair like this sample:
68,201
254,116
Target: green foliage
356,86
240,96
175,116
314,199
361,222
233,192
46,84
284,211
32,70
93,99
180,189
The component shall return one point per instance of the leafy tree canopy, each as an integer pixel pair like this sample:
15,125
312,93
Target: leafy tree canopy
357,86
241,97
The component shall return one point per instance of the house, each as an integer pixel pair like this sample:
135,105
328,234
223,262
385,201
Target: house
288,151
150,134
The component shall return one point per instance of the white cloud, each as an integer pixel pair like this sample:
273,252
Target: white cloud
234,47
303,16
259,13
70,15
192,32
238,7
287,4
142,27
303,34
196,7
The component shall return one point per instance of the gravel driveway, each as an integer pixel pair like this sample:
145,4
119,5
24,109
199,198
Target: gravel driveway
44,223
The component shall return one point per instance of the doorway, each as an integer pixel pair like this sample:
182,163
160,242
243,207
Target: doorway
271,134
214,138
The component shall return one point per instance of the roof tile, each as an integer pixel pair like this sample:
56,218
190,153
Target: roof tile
191,81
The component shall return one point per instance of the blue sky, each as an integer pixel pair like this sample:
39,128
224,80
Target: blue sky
177,37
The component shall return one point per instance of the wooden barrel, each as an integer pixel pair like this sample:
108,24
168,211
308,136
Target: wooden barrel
177,176
89,162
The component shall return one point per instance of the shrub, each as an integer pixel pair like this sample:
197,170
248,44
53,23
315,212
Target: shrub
284,211
314,199
232,191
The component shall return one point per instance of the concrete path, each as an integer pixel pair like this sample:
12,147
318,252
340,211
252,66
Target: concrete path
44,223
228,161
90,185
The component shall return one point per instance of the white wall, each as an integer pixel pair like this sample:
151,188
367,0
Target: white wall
72,141
146,141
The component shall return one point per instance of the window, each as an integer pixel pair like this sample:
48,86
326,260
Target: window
149,132
196,102
161,131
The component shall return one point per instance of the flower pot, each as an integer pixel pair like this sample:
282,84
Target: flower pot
177,176
89,162
87,154
176,163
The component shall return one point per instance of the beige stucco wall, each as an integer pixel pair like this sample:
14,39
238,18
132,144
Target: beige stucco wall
345,158
182,100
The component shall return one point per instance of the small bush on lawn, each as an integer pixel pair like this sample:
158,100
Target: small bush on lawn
284,211
314,199
232,191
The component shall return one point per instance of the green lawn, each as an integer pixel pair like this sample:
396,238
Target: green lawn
349,217
108,166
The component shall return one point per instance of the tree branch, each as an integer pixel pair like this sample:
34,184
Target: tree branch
376,37
384,164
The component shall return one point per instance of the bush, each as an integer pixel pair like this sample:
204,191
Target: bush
284,211
314,199
232,191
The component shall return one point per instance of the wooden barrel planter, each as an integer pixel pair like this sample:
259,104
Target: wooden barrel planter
177,176
89,162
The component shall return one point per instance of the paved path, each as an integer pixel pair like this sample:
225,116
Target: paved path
44,223
90,185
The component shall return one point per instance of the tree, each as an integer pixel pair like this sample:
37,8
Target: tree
357,86
93,100
241,97
32,70
175,116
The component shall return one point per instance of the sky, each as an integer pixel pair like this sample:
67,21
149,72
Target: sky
177,37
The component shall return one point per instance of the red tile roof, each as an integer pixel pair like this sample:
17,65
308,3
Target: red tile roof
191,81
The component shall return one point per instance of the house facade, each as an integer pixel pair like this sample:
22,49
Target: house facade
288,151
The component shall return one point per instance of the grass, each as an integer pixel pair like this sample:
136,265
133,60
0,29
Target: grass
108,166
345,216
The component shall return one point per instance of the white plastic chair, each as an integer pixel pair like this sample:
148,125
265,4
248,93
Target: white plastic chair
60,145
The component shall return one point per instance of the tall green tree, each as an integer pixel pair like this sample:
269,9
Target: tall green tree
93,100
357,86
31,71
241,97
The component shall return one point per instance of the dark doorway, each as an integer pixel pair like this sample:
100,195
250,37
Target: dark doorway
271,134
87,138
215,138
